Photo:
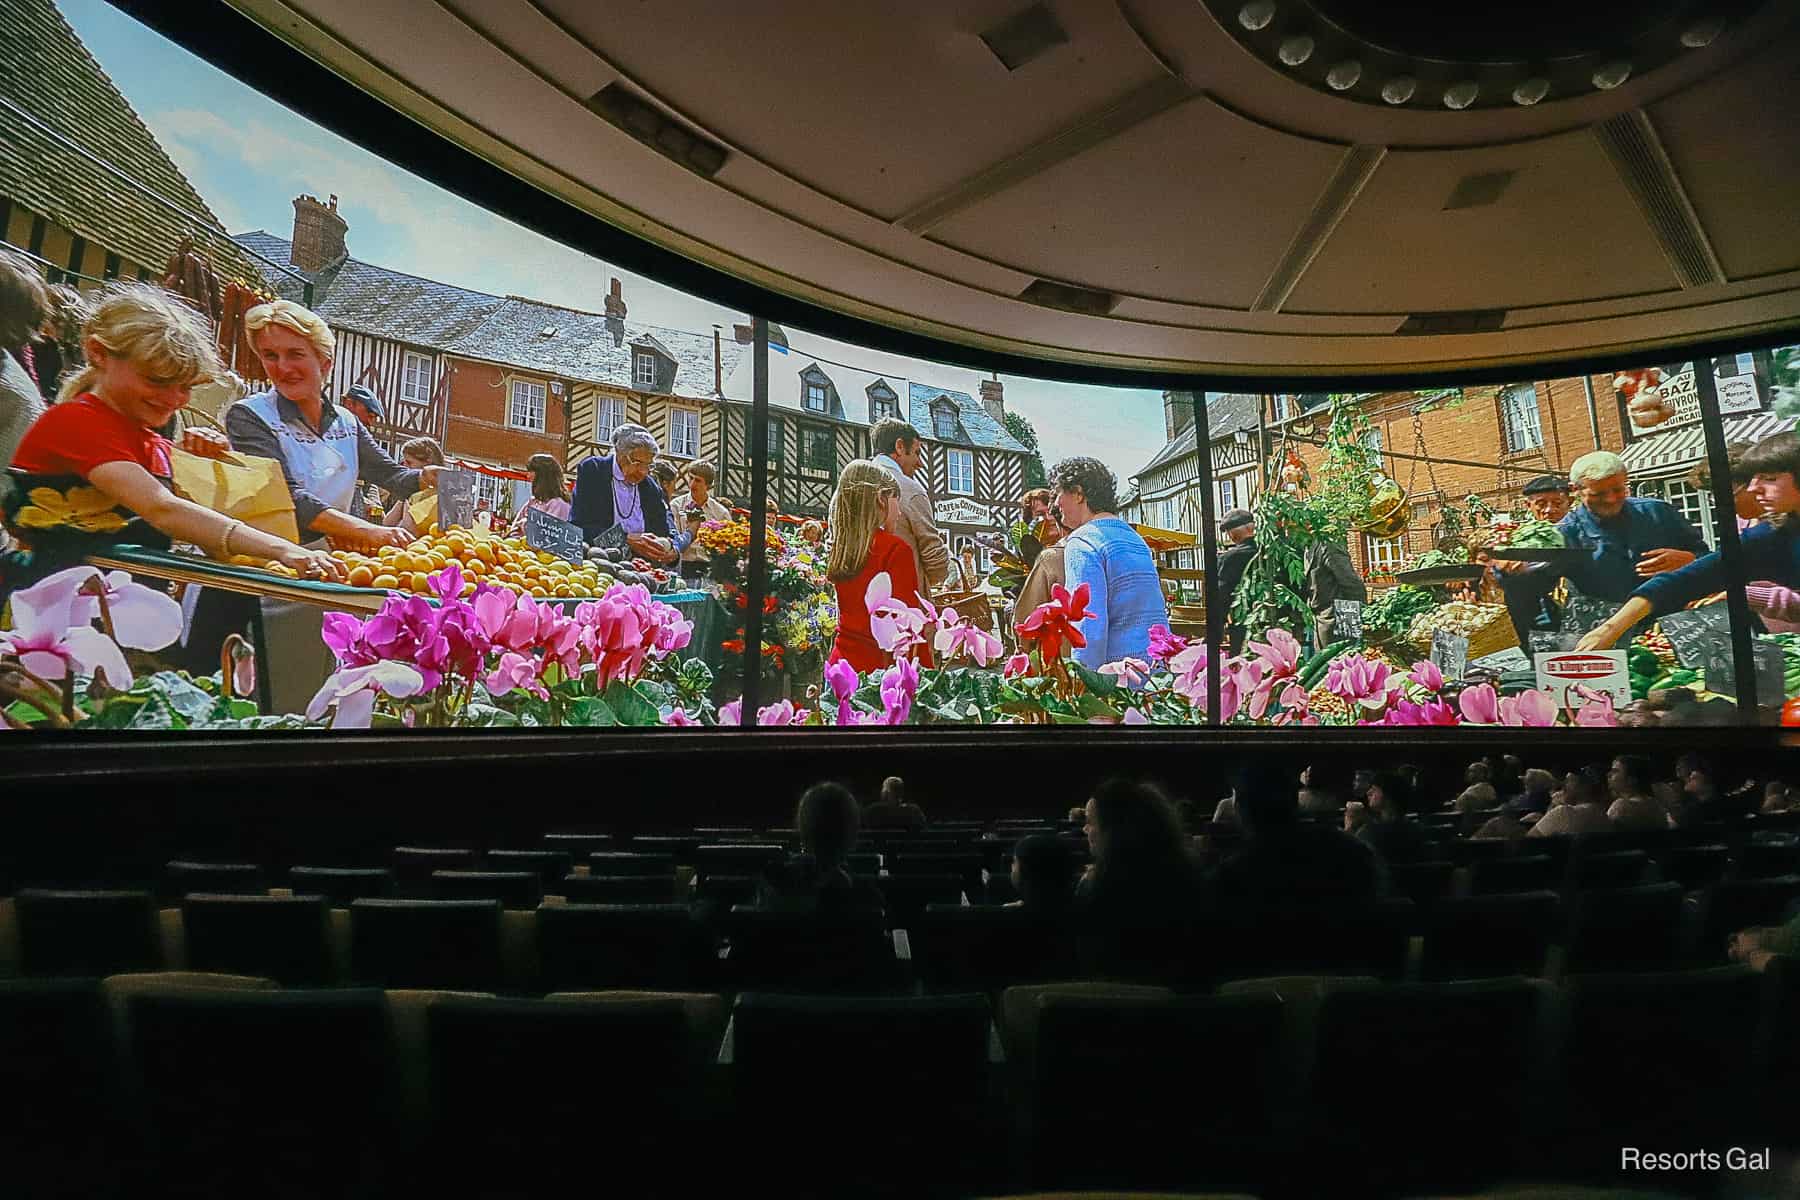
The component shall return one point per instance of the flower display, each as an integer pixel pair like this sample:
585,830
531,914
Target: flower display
1056,622
54,638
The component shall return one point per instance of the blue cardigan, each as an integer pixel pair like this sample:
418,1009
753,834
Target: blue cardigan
1770,553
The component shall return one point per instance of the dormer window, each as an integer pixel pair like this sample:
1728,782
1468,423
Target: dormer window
943,421
817,399
883,404
643,368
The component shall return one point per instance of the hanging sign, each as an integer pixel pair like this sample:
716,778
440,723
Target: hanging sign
1348,621
1450,654
456,499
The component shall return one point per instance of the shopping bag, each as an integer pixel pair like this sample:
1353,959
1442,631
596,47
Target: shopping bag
244,486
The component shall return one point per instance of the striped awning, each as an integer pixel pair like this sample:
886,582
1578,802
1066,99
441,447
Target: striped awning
1663,455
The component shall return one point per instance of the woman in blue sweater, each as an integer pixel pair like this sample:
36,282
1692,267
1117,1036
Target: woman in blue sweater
1771,550
1125,596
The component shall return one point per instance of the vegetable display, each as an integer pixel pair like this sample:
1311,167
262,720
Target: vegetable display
1459,618
1537,535
1394,610
1456,557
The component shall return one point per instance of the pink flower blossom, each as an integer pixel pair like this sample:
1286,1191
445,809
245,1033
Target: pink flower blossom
143,618
782,712
896,626
1359,679
1016,666
842,679
515,670
1433,712
354,691
1134,717
1597,711
1237,685
1279,656
1296,707
1130,672
343,634
1164,645
1189,666
731,712
50,638
1427,676
1480,705
956,637
1533,708
898,688
678,717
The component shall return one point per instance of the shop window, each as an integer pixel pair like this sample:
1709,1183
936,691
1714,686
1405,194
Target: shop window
1520,430
818,451
961,464
527,409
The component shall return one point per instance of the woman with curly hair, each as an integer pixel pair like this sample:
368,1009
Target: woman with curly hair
1124,594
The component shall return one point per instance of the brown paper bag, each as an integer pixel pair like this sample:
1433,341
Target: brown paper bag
239,485
423,510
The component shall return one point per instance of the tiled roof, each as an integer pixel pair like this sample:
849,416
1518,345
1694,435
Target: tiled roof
50,75
852,386
1226,413
509,330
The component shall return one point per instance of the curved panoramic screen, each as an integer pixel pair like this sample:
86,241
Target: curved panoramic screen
299,440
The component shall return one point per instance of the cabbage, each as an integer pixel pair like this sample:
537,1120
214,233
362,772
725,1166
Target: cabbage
1537,535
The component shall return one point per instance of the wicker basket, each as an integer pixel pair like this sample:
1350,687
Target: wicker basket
1495,634
973,607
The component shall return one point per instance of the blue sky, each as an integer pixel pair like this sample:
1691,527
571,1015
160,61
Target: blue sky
249,157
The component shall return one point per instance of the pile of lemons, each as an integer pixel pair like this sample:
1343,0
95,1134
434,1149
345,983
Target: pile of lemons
502,561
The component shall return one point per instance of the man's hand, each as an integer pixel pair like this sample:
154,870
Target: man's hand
207,443
1508,565
1658,561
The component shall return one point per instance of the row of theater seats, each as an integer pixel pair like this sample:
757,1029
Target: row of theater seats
214,1085
949,946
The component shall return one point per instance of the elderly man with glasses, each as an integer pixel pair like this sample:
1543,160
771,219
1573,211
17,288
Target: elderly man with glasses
616,489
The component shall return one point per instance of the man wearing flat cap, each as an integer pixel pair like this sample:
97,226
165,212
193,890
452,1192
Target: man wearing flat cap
1547,498
1239,527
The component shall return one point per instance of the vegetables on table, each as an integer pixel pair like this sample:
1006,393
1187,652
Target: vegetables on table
1314,668
1439,558
1459,618
1394,610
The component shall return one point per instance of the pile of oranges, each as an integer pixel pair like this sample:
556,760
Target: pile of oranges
502,561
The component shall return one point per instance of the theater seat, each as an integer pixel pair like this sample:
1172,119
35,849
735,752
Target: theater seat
180,878
1484,936
1623,929
1768,860
447,944
585,946
413,866
265,1093
1529,873
1695,867
579,845
1735,904
983,949
1161,1123
803,949
517,1084
1322,940
1472,1046
549,865
747,860
341,885
921,1125
513,889
1424,883
285,938
613,862
908,895
87,932
616,889
1615,869
59,1109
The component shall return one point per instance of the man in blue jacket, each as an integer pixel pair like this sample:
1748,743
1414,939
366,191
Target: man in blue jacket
616,489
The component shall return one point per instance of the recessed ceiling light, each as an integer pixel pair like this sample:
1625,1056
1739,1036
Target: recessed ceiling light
1611,75
1343,76
1399,89
1530,91
1461,95
1257,14
1297,49
1702,33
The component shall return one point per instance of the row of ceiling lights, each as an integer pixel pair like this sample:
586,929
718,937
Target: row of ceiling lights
1298,48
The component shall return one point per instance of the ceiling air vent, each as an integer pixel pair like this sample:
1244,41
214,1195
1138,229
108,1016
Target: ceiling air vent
631,113
1478,191
1086,301
1024,36
1478,320
1637,153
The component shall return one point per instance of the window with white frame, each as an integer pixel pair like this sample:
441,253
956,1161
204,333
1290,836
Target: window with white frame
1385,554
1692,503
415,378
882,405
943,421
493,494
1372,439
643,369
608,417
684,432
527,409
816,395
818,451
1171,514
777,443
1519,428
1284,407
1228,495
961,465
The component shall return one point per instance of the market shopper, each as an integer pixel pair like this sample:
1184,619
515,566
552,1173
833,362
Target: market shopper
1239,528
24,306
1048,572
899,451
1531,609
700,507
93,471
864,510
549,492
1330,576
1034,510
1770,551
415,455
1124,594
616,489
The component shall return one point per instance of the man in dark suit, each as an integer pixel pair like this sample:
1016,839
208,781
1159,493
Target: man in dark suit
617,489
1240,527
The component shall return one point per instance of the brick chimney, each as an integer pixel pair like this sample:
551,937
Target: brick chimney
1178,413
744,334
993,399
318,234
615,301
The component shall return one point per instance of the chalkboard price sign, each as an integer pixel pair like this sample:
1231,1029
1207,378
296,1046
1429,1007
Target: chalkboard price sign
1550,643
1349,622
456,499
1771,665
613,538
1450,654
559,537
1699,635
1582,614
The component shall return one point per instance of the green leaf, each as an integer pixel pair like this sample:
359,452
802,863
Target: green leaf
1098,684
487,716
591,711
21,711
1093,706
156,714
116,712
179,692
234,709
629,706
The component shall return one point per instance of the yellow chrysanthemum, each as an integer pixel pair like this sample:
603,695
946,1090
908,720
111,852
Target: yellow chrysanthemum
87,509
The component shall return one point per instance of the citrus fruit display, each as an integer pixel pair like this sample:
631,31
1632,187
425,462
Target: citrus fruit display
484,558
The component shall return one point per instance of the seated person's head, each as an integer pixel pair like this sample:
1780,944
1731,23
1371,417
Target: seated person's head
1043,871
827,822
1130,820
1391,795
1477,797
893,790
1267,799
1775,795
1359,782
1478,772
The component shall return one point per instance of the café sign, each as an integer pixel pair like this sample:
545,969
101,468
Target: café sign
959,511
1737,394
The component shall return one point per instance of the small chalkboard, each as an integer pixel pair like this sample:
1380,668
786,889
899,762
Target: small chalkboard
1699,635
1348,623
1771,667
612,538
1542,642
456,499
559,537
1584,614
1450,654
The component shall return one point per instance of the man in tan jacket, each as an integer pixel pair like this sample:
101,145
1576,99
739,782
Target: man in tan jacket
897,448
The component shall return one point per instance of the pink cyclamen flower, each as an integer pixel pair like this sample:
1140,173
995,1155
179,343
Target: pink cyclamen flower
781,713
1016,666
896,626
1189,666
956,639
1164,645
1134,717
1296,707
842,679
1130,672
1237,685
1597,710
1354,677
1433,712
898,688
1533,708
1480,705
343,635
515,670
143,618
50,639
678,717
1279,656
1427,676
354,691
731,712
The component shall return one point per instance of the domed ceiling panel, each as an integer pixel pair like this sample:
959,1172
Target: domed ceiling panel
1113,217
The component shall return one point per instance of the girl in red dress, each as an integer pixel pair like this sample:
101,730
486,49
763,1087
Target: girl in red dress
867,500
